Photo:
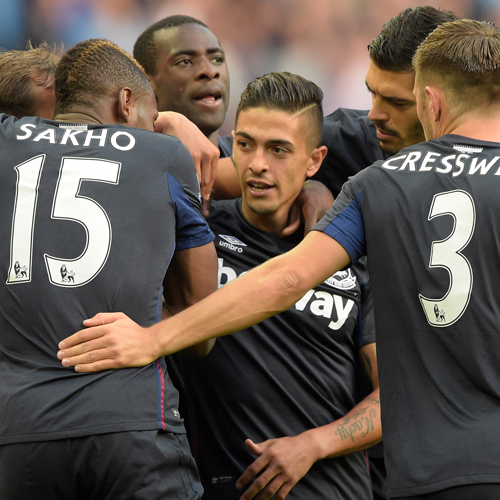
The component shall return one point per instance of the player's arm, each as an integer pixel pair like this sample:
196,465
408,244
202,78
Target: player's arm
227,184
191,276
204,153
282,462
112,340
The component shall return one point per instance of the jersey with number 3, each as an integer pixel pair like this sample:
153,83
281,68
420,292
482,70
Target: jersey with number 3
428,220
90,218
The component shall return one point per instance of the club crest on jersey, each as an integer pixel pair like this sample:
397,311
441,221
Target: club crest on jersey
67,276
440,314
20,272
344,280
231,243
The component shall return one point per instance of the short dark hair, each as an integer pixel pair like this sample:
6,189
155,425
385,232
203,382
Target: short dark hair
287,92
95,69
145,47
18,69
393,49
463,58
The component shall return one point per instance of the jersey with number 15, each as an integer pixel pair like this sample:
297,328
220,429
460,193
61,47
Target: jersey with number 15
90,218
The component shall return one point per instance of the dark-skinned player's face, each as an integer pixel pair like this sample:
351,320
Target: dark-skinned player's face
191,75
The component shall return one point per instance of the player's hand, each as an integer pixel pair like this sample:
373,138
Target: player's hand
204,153
111,340
283,463
313,202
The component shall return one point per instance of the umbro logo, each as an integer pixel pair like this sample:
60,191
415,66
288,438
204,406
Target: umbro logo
233,240
231,243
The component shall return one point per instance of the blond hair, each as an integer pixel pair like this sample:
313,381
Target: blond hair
19,69
463,58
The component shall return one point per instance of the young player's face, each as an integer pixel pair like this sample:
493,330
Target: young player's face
192,76
273,158
393,110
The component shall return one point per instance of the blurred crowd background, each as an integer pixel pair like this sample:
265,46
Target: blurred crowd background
323,40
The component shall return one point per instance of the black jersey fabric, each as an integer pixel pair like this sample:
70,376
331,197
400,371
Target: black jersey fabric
226,146
289,373
90,218
351,139
427,219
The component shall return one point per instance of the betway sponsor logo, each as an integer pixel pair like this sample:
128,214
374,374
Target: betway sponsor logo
231,243
325,304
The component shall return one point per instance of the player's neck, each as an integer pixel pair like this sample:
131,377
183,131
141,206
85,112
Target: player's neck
77,117
480,129
273,222
214,138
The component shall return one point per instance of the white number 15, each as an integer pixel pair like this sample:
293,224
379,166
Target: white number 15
68,204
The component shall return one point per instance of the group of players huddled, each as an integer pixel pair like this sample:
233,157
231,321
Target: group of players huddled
123,208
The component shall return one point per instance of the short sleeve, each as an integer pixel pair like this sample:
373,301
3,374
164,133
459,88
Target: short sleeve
192,229
344,221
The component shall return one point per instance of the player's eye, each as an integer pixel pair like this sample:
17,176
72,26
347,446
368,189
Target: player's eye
244,144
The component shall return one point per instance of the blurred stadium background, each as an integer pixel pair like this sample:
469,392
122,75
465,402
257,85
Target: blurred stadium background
323,40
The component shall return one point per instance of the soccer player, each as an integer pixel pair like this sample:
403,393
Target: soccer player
96,213
294,374
27,82
356,139
27,89
427,220
187,68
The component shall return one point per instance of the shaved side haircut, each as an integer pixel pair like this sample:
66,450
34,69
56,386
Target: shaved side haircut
96,69
463,58
293,94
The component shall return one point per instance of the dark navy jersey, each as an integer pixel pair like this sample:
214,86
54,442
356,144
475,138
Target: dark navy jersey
90,218
427,219
292,372
226,146
351,139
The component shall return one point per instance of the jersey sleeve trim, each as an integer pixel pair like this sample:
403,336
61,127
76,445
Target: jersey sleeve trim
191,228
345,225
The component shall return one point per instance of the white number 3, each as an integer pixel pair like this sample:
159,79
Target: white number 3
68,204
446,254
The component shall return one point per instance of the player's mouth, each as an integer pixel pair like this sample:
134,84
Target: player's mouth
258,188
385,135
209,99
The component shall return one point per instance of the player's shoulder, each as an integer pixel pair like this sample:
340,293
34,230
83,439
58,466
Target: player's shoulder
223,212
347,118
353,129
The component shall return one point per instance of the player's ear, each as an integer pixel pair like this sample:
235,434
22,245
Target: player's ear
436,101
125,104
315,160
